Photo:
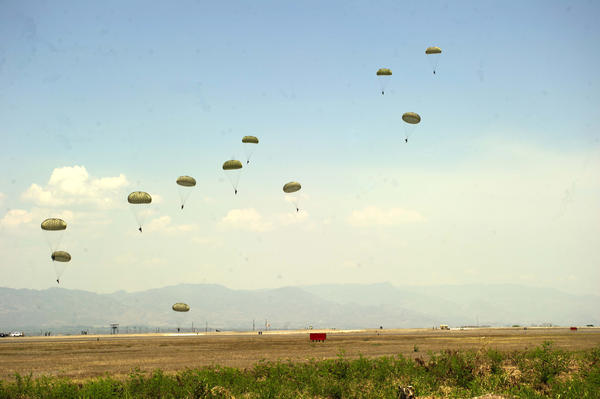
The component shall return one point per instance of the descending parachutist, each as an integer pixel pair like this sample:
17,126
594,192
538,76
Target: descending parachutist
182,206
406,140
297,210
434,71
57,281
140,229
235,190
382,93
247,162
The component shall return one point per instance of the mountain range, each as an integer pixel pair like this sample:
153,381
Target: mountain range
342,306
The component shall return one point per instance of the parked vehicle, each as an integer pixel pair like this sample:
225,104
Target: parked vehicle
17,334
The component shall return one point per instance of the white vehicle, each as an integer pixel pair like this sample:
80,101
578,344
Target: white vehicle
17,334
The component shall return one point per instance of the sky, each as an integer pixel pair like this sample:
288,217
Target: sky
499,183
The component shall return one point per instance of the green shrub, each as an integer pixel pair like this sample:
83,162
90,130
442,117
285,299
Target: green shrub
544,363
444,374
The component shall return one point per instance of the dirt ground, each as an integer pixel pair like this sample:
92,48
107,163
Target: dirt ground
82,357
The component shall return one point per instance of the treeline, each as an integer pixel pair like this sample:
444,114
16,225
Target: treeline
541,372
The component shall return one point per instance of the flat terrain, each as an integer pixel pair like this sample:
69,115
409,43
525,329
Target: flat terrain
82,357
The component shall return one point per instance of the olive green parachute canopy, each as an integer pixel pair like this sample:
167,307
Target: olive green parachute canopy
232,165
181,307
61,256
250,139
291,187
139,197
411,117
433,50
186,181
384,72
54,224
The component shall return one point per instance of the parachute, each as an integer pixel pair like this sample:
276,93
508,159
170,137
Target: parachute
433,55
383,75
412,119
53,224
140,202
53,230
291,191
249,146
59,261
61,256
291,187
181,307
233,170
180,318
183,185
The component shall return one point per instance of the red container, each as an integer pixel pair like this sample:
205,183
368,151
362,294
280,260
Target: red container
318,337
573,328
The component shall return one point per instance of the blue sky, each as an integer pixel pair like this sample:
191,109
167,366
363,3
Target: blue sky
151,91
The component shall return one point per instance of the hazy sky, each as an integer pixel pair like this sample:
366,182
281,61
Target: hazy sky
499,183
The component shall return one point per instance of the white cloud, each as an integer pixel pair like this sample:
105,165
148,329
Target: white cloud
156,198
292,217
207,241
372,215
245,219
163,224
16,217
72,185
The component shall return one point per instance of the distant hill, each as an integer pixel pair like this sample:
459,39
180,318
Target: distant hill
320,306
497,304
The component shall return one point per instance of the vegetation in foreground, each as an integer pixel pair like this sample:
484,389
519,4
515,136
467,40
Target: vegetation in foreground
537,373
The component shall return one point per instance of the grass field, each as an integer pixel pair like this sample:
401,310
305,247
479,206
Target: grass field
83,357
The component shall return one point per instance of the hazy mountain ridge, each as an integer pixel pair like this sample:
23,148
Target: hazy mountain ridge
322,306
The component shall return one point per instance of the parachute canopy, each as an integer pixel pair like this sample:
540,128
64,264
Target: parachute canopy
291,187
181,307
61,256
411,117
54,224
250,139
433,50
384,72
232,165
186,181
139,197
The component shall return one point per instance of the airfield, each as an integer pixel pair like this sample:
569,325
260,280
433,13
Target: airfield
88,356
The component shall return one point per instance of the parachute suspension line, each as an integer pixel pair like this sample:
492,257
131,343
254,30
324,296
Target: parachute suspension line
249,151
234,178
59,269
433,57
383,75
233,170
292,194
411,119
185,186
184,194
139,215
409,130
249,143
139,204
53,238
